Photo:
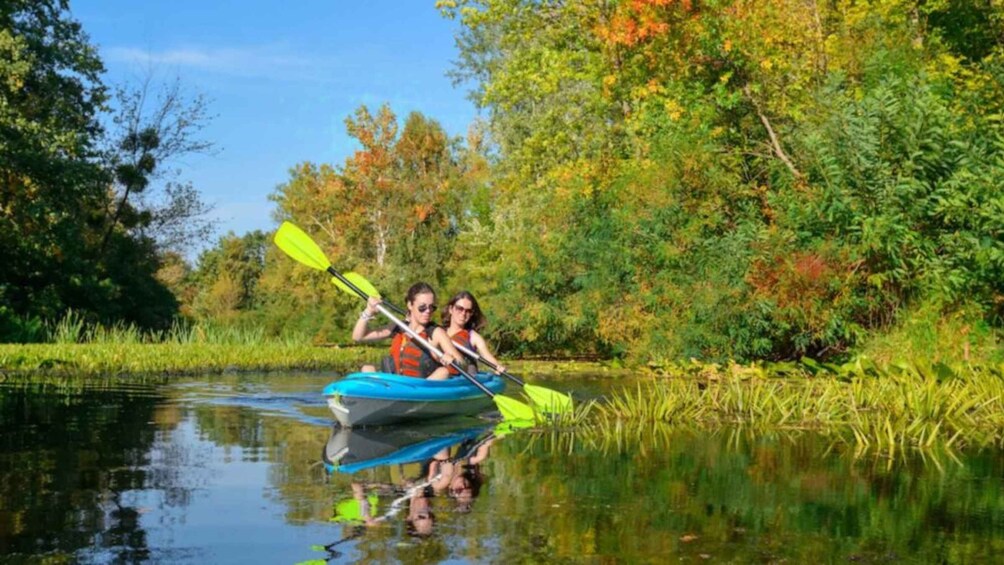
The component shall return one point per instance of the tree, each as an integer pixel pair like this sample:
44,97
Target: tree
51,186
73,232
392,207
147,134
738,179
228,274
391,210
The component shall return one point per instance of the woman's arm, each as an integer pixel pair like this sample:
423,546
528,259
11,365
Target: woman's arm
482,348
360,333
442,340
482,453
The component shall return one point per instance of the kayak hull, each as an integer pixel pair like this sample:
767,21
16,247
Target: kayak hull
379,399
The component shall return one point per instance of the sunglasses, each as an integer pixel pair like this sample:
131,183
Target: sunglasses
423,308
461,310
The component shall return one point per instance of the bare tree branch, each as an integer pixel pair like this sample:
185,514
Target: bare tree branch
775,144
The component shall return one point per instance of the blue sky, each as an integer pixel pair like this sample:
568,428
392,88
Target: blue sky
281,77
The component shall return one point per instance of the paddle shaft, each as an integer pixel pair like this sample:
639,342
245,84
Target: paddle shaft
412,333
470,352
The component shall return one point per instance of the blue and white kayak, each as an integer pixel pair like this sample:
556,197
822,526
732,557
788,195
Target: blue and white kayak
377,399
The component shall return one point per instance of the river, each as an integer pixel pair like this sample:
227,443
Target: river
251,469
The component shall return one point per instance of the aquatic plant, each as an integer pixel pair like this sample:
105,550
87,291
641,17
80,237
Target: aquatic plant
907,405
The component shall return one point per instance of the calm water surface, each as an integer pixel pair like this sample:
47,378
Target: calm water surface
249,469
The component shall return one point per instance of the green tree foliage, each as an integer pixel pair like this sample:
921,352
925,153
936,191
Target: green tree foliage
392,211
227,275
733,179
70,235
50,94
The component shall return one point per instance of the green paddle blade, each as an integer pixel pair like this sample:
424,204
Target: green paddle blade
547,400
298,245
360,282
513,409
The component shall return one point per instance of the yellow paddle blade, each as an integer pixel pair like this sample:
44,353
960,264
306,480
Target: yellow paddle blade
298,245
341,286
505,428
513,409
549,401
360,282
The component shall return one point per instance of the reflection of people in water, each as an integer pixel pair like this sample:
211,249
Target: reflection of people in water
458,477
420,518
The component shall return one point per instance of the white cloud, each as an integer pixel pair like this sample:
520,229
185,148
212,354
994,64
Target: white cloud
275,61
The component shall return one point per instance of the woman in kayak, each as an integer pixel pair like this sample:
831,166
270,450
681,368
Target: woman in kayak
462,319
407,357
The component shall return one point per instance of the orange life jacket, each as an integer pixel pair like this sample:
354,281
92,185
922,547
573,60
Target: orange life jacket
410,358
463,337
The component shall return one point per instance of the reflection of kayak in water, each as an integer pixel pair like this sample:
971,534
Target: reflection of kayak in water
350,450
427,450
374,399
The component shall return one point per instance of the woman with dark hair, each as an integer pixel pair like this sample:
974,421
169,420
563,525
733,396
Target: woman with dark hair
407,357
462,318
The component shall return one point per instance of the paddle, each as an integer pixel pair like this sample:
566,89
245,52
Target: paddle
546,399
299,246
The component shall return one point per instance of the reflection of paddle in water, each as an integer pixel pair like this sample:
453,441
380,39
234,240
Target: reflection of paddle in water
458,477
358,511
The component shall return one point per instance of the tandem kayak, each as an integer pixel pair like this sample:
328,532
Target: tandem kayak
377,399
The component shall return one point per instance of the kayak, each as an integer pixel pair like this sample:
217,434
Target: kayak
377,399
350,450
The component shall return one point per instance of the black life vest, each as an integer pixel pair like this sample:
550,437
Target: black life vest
410,358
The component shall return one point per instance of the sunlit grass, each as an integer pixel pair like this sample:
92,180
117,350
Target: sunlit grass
80,349
869,407
72,328
121,358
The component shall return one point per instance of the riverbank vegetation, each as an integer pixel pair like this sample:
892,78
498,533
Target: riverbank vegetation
862,405
165,359
654,180
86,352
658,180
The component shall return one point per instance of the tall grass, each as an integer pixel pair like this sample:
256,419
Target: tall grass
71,328
78,348
87,360
868,406
74,328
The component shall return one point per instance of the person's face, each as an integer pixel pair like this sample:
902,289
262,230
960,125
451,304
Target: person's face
421,516
461,490
461,311
423,524
423,308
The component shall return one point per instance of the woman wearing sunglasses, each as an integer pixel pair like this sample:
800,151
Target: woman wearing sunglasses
408,357
462,318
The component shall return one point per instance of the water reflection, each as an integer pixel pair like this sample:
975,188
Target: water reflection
405,469
228,470
69,464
